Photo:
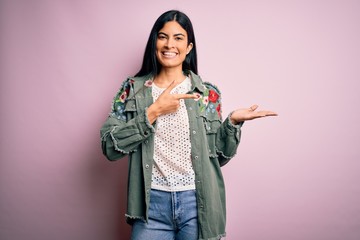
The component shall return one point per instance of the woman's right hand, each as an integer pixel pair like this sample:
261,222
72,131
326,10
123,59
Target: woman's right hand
166,103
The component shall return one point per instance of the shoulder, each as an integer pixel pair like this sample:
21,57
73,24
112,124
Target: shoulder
211,87
118,104
124,90
204,85
212,92
131,83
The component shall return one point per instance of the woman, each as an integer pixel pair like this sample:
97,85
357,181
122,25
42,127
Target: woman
168,121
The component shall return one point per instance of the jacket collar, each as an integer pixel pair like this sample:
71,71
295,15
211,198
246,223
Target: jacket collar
196,82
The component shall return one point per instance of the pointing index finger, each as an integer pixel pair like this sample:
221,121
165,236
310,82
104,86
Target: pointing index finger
185,96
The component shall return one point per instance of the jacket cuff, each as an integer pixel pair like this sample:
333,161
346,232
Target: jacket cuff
233,129
231,126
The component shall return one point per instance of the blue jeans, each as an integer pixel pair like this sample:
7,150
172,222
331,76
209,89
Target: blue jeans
172,215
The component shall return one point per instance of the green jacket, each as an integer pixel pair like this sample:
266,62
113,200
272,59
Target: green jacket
127,132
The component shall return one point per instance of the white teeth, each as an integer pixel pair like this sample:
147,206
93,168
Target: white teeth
169,54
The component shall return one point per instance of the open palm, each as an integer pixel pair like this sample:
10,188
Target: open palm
245,114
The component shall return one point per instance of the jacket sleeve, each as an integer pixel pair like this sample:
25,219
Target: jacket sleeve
125,128
226,134
227,140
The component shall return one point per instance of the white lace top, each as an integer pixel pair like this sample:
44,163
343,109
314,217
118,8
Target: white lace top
172,168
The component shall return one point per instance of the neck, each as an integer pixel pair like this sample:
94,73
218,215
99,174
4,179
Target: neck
167,76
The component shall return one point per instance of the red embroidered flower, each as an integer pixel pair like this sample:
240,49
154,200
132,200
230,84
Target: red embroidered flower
218,109
123,97
213,96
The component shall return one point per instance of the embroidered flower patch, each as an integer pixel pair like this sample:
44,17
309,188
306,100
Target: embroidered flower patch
209,101
148,83
213,96
118,109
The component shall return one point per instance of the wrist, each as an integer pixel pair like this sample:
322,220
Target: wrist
152,113
232,119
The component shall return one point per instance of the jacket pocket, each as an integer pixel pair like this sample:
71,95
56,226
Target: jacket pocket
211,124
130,109
130,105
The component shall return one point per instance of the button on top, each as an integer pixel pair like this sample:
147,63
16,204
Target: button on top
147,166
194,132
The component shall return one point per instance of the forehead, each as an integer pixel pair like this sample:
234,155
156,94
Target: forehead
172,28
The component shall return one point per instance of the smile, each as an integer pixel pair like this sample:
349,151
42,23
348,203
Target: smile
169,54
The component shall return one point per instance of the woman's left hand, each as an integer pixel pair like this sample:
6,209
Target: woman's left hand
245,114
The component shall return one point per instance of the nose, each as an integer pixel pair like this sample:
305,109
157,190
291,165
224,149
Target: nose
170,43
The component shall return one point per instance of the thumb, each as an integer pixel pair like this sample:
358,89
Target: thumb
253,107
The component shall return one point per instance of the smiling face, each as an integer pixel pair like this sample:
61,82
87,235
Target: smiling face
172,45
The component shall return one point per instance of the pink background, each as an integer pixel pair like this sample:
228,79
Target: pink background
295,177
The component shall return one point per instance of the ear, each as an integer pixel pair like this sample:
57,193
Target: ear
189,47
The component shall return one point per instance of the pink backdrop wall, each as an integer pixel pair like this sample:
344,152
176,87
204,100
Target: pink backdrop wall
295,177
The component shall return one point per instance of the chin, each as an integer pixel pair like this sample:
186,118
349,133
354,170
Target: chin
167,64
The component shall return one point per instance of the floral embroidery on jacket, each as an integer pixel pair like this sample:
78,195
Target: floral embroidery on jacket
148,83
213,96
118,108
210,100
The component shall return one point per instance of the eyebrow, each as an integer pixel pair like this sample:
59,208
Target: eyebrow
175,35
